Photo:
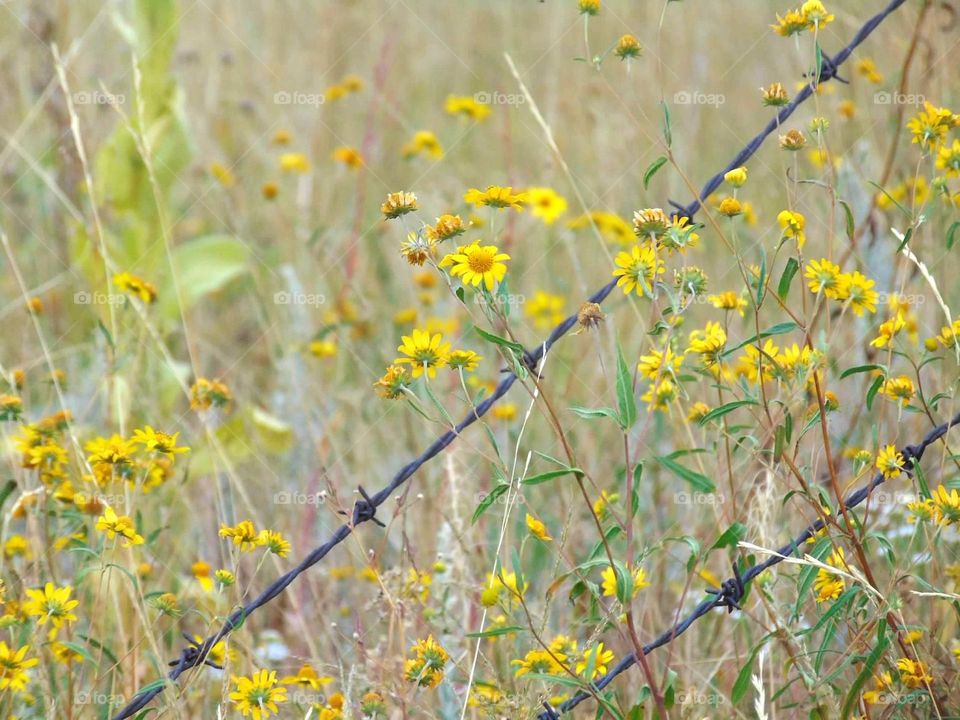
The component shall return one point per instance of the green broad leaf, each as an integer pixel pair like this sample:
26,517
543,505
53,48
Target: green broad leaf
729,407
861,369
514,347
590,413
203,266
626,402
952,234
778,329
787,277
696,480
742,683
550,475
488,500
693,544
652,170
731,536
866,672
872,392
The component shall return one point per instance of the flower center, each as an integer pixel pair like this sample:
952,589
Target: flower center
480,261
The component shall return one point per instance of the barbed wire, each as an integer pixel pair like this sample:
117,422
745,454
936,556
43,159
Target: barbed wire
732,590
364,510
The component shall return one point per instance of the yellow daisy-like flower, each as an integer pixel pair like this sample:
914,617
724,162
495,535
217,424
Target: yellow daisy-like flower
914,673
244,535
274,542
816,14
857,290
659,363
307,677
466,360
775,95
136,286
637,270
537,529
598,658
793,224
51,603
425,668
929,127
418,247
205,394
708,343
259,695
728,300
466,106
946,505
294,162
899,389
539,662
546,204
660,395
14,666
697,411
496,197
477,263
791,23
545,309
113,525
628,47
824,276
159,442
890,461
736,177
393,382
828,585
423,352
349,156
397,204
425,142
448,226
948,159
609,585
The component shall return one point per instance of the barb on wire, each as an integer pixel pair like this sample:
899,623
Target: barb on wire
728,596
732,590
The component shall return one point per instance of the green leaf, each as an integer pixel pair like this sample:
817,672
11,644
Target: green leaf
778,329
861,369
667,131
731,536
550,475
848,215
892,199
742,683
203,266
788,272
906,239
652,170
698,481
488,500
496,631
729,407
691,543
872,392
866,672
625,399
590,413
952,234
509,344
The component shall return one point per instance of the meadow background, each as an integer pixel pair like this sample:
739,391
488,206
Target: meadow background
236,156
